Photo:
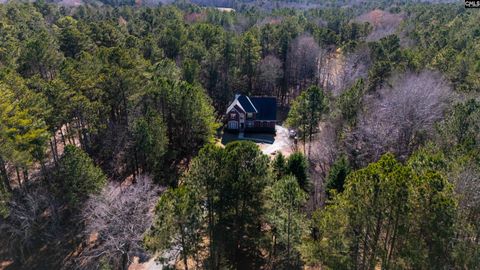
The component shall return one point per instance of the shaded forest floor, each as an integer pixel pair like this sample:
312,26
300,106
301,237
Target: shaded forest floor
53,255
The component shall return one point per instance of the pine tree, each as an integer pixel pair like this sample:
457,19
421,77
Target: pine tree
285,200
177,222
389,214
297,165
77,176
306,113
205,175
22,134
249,57
337,175
279,166
150,144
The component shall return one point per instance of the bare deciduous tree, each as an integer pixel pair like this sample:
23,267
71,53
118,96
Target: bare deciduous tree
324,151
467,186
338,71
355,66
466,178
302,60
398,118
118,218
270,72
33,219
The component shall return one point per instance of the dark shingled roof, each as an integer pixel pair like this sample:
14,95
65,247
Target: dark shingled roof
246,104
266,106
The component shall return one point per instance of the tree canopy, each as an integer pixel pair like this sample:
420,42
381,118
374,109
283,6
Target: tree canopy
111,117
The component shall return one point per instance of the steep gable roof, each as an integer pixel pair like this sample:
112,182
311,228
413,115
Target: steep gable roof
247,104
235,104
266,106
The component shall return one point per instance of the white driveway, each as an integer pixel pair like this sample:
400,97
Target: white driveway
283,143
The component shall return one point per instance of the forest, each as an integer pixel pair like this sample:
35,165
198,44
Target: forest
112,112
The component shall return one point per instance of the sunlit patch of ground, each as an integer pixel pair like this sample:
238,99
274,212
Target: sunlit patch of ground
5,264
148,265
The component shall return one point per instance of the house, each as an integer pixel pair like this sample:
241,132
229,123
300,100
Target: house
252,114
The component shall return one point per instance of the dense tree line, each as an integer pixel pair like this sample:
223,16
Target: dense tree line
229,195
108,116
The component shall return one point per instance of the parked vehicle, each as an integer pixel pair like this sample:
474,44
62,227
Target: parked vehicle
292,133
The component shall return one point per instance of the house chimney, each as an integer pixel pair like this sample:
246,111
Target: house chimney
237,96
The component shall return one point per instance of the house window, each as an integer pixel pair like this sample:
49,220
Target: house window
232,115
249,124
249,115
233,125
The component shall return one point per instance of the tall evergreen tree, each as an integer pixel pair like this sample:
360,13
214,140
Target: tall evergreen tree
241,202
232,182
249,58
285,200
337,175
22,135
77,176
306,113
205,175
177,223
279,166
150,144
297,165
389,215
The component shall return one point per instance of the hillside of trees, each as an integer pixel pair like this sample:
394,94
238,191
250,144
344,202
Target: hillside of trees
110,117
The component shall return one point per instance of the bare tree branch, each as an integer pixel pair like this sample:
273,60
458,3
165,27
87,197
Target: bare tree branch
324,151
118,219
399,118
302,61
33,218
